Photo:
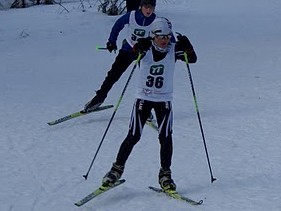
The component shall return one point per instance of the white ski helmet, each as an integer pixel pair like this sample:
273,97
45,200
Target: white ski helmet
161,26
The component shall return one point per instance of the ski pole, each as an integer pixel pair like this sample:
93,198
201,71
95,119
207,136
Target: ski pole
113,114
198,115
101,48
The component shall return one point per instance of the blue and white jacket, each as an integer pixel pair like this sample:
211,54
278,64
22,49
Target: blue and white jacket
140,19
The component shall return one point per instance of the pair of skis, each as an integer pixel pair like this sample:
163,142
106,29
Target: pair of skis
149,122
102,189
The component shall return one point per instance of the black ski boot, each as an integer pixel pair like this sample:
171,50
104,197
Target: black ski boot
113,175
165,180
94,103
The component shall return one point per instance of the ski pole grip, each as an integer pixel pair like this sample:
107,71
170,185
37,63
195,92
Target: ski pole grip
185,57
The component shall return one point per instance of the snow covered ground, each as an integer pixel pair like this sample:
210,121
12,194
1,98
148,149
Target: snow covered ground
50,68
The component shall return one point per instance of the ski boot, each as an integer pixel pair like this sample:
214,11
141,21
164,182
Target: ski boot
113,175
94,103
165,181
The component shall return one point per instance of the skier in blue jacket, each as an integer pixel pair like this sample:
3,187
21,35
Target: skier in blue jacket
138,23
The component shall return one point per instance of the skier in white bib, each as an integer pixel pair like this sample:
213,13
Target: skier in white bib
154,91
137,23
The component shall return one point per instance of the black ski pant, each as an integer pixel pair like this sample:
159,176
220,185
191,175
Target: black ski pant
141,111
123,60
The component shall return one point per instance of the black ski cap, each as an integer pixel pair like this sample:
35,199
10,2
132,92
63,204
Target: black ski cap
147,2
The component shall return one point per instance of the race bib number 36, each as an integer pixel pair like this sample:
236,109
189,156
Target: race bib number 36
155,78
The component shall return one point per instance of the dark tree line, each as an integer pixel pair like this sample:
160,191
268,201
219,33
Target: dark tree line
26,3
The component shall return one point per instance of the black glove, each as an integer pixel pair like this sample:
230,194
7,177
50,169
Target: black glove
142,45
183,43
111,46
